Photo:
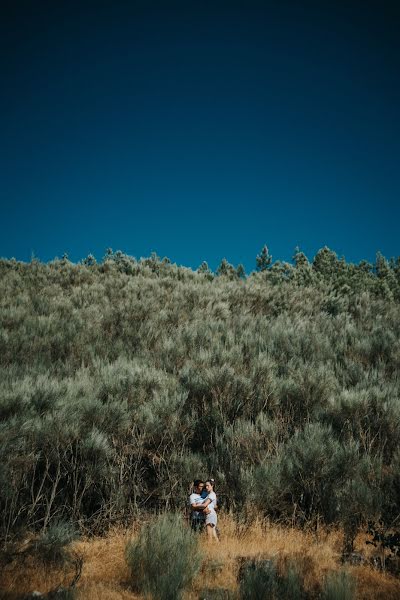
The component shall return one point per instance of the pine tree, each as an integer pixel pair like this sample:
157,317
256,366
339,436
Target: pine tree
240,272
89,261
264,259
382,268
205,271
387,284
204,268
326,262
108,255
364,266
300,259
226,269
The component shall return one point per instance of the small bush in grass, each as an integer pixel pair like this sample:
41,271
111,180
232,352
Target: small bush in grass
164,558
51,546
291,585
260,580
339,586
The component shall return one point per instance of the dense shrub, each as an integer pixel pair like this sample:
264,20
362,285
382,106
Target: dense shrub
52,545
339,586
164,558
122,379
261,580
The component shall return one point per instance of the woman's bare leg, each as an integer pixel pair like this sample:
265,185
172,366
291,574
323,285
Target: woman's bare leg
211,534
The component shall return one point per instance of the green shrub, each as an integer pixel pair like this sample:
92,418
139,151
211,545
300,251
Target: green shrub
260,580
291,585
123,379
51,545
164,558
339,586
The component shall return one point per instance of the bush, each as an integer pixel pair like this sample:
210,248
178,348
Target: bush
124,378
291,585
164,558
52,548
51,545
339,586
260,580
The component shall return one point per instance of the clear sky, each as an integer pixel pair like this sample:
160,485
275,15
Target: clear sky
199,130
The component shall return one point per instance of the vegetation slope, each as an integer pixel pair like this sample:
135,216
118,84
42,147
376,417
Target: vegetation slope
124,379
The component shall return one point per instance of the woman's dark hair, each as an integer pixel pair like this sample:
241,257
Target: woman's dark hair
212,481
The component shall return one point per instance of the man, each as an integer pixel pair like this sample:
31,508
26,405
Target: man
208,506
197,517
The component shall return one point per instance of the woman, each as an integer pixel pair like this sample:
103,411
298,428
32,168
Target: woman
208,506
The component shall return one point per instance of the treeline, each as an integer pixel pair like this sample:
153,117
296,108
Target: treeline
124,379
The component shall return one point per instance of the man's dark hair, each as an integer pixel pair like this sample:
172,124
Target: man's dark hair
197,482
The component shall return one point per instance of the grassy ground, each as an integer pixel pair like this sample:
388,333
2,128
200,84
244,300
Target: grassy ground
105,575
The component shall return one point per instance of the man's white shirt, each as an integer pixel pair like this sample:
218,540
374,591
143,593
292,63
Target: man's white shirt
199,499
193,500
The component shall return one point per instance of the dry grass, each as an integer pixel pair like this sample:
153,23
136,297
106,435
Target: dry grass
105,575
315,557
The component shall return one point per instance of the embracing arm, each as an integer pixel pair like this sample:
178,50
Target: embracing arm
198,507
204,504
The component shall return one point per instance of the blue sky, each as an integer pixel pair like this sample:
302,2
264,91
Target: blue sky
199,130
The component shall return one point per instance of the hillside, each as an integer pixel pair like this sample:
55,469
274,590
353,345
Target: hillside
123,380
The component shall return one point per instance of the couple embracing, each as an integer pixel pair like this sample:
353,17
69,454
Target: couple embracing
203,503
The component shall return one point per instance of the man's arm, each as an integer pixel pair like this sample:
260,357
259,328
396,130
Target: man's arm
193,505
202,505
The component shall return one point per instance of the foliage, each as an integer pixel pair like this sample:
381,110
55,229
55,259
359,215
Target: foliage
386,540
339,586
51,545
261,580
124,378
164,558
264,259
